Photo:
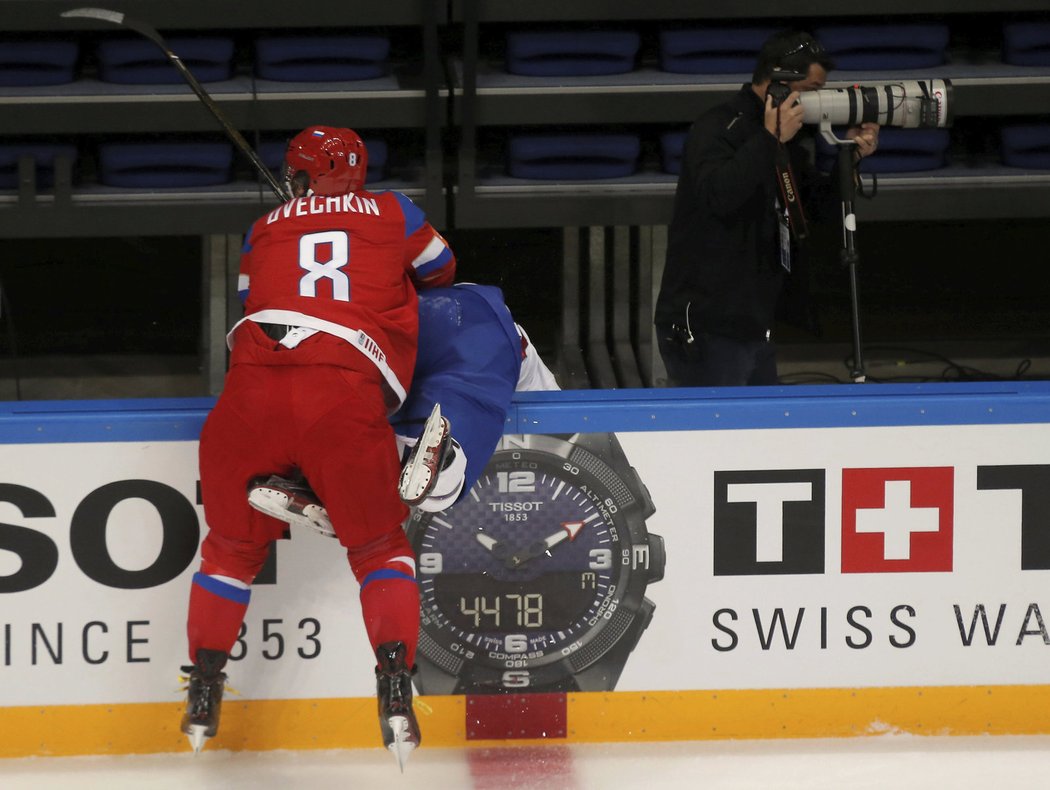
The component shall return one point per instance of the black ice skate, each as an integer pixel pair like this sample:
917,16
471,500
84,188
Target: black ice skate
290,500
397,720
206,682
427,459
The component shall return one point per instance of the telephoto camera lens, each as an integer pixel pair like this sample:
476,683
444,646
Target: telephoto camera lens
911,104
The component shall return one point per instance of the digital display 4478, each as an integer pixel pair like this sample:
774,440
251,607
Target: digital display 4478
479,604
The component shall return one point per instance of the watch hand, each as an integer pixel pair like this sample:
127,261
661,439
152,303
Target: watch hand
500,550
569,530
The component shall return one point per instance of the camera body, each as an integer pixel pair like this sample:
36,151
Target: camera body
779,89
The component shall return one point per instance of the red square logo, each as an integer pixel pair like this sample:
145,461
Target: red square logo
897,520
506,716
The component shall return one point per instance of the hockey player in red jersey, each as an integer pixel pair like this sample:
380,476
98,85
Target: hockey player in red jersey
472,358
324,354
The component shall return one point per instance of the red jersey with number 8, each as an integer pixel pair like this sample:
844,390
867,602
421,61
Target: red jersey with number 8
349,266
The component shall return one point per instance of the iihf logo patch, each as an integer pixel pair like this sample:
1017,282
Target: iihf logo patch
897,520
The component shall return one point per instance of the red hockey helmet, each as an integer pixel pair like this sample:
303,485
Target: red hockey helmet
326,159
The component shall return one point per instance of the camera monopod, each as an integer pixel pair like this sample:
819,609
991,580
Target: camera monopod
848,255
905,103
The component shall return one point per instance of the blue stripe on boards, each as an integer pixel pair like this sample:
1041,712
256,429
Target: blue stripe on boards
126,420
591,411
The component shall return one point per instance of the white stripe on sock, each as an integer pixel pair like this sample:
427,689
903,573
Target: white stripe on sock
230,581
409,561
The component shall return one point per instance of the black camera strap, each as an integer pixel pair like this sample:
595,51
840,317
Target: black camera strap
790,198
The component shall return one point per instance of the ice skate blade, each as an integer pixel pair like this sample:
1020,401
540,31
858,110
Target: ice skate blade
402,745
195,733
420,473
271,502
275,503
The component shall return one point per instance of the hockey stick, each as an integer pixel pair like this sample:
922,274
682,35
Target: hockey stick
149,32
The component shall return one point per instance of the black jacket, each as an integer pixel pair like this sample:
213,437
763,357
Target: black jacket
723,260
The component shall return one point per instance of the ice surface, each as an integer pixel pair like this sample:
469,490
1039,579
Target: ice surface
899,762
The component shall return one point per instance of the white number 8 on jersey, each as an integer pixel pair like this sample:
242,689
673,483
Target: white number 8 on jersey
338,241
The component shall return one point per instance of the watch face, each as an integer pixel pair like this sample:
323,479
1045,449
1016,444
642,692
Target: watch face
536,572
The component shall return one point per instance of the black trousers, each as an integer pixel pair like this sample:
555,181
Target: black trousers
716,361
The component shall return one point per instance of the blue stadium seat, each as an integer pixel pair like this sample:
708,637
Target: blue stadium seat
140,62
672,146
148,165
713,50
44,154
573,156
564,53
377,159
29,63
1026,43
322,58
900,151
1026,145
271,152
881,47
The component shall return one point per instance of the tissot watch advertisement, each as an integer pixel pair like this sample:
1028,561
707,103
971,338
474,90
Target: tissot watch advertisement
801,558
537,580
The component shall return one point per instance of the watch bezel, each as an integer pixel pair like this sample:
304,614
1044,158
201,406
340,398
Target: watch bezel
624,513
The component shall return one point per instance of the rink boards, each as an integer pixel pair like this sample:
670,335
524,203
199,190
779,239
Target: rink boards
847,560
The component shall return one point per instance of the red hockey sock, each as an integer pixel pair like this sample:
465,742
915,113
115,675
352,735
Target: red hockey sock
390,607
217,609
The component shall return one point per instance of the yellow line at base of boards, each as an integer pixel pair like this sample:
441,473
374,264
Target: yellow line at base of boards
351,723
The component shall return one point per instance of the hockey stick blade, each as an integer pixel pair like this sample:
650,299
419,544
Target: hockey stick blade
123,20
105,15
119,19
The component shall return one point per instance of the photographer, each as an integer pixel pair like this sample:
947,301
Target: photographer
739,218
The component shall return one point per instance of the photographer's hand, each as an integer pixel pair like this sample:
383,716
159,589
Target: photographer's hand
784,121
866,136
